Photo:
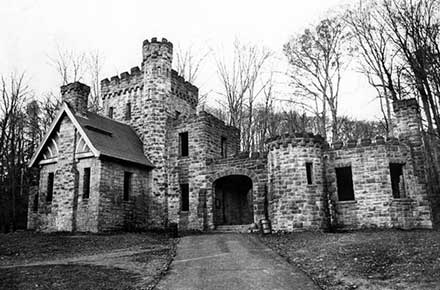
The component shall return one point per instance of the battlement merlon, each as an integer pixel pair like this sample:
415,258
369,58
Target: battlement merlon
157,59
184,89
296,139
154,48
125,81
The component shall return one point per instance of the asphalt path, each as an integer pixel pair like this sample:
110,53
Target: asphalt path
230,261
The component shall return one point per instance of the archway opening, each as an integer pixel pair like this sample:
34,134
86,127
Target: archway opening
233,200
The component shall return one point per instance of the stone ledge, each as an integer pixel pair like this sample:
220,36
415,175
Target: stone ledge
346,202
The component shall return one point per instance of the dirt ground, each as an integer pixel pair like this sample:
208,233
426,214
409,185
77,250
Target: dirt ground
83,261
388,259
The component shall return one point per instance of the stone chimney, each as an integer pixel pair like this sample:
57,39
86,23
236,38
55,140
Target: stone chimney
76,95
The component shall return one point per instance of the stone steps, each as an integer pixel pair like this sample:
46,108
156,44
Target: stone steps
232,228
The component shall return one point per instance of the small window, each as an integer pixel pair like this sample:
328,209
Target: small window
35,205
309,171
49,195
223,145
86,183
110,112
127,185
184,189
128,111
183,143
397,181
344,180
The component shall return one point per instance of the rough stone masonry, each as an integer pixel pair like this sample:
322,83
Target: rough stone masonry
151,158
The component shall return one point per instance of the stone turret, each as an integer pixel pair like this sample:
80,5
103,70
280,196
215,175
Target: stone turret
156,65
76,95
295,167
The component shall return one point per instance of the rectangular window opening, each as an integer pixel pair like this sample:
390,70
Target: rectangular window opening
86,183
184,189
110,112
309,171
223,147
35,205
344,180
183,143
128,111
397,181
127,185
49,195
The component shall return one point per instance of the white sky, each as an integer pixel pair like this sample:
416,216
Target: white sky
31,29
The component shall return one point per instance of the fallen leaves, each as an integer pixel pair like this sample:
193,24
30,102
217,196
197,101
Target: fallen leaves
381,259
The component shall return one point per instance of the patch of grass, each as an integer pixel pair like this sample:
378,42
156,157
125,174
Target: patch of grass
390,259
84,261
67,277
30,246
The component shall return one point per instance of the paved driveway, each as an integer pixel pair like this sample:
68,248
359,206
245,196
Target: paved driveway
230,261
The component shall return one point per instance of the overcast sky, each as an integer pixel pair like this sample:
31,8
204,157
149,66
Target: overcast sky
31,30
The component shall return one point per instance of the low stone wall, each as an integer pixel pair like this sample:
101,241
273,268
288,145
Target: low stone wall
373,204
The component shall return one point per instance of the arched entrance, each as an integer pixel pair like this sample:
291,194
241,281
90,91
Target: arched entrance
233,200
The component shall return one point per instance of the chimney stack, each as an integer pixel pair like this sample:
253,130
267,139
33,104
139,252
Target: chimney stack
76,95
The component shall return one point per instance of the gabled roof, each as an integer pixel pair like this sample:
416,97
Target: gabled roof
105,137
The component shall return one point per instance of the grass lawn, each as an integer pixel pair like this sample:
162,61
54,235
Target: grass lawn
83,261
386,259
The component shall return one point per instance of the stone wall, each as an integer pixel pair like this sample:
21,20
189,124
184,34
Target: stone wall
128,88
294,204
114,212
244,164
204,141
67,211
87,210
373,204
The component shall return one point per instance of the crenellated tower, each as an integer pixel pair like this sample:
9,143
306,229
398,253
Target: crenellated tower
147,98
156,66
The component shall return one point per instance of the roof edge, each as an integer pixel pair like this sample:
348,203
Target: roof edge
64,109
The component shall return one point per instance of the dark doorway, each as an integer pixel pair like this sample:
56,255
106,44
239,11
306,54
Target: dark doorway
233,200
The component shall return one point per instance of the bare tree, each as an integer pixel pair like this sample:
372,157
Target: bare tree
14,92
69,65
316,59
189,62
95,62
242,83
380,62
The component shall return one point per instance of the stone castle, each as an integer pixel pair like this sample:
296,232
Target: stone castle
152,159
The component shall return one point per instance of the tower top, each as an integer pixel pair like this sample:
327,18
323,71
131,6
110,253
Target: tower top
157,49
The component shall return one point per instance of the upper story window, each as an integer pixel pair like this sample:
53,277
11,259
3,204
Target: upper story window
110,112
49,194
183,140
344,181
223,145
309,172
397,181
128,111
